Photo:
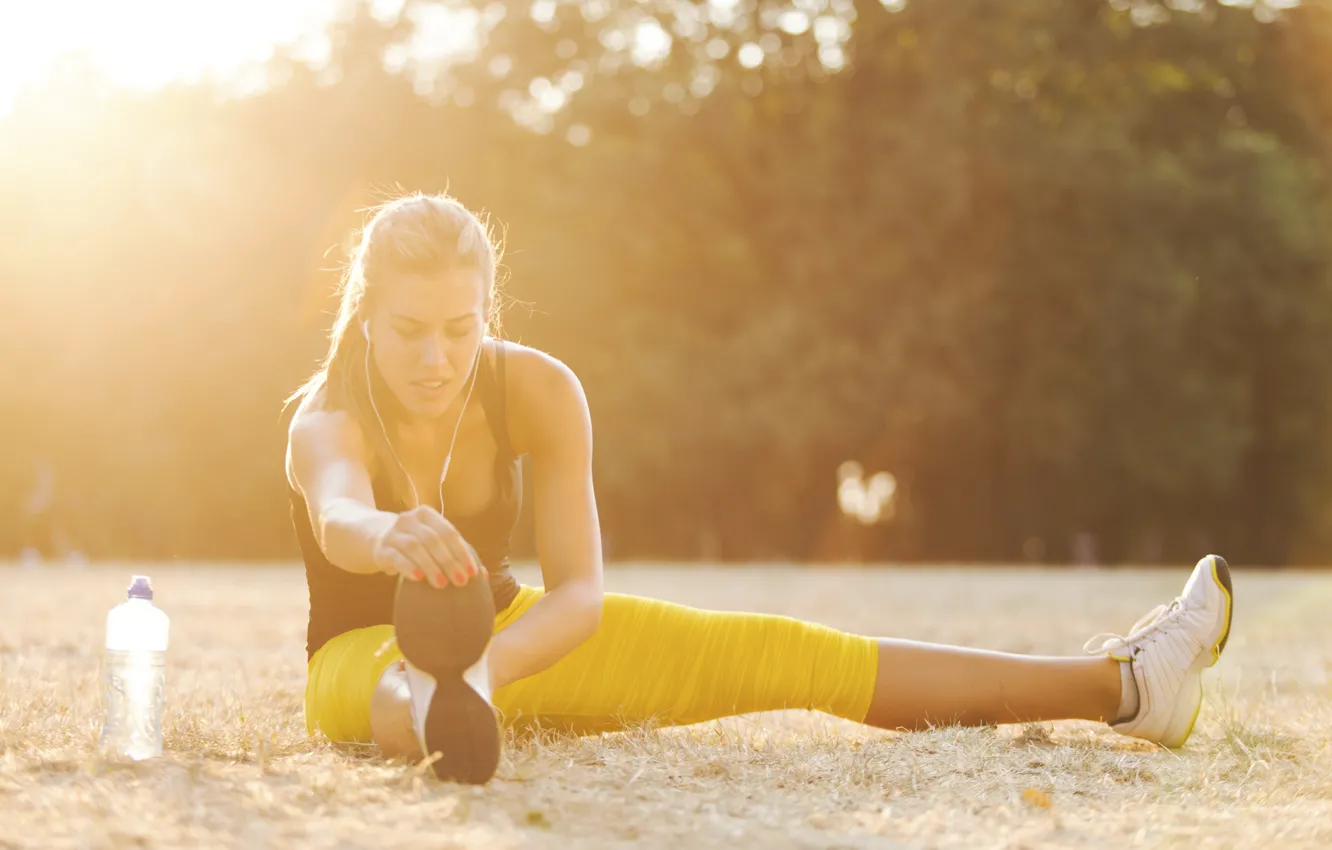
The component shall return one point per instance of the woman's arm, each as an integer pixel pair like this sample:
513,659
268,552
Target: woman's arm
550,420
327,463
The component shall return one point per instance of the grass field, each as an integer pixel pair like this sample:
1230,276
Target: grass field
239,771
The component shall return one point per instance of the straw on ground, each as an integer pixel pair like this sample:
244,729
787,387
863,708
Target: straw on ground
239,770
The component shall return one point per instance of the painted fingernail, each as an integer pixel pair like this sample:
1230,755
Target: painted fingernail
437,581
418,574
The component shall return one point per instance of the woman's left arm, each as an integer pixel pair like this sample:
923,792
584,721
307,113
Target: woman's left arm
550,420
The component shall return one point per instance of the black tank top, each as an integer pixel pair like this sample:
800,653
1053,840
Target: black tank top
342,600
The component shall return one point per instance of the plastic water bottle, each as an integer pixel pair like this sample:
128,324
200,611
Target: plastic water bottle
134,676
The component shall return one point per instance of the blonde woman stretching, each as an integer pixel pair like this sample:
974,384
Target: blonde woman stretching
403,461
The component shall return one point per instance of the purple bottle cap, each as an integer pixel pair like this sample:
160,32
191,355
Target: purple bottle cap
141,588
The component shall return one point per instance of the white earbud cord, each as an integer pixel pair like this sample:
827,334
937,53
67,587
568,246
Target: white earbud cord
448,458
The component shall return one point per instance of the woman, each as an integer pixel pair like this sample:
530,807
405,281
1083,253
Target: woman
403,467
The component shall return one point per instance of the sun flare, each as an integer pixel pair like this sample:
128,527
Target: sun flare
146,43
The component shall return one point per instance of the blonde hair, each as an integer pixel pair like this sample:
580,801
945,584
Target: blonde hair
421,233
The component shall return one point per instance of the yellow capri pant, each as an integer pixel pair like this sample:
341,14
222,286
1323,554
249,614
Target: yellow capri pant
649,662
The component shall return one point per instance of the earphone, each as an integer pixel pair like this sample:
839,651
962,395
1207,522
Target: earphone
448,457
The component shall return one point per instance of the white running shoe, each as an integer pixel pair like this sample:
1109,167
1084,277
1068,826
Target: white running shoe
1168,650
422,686
444,634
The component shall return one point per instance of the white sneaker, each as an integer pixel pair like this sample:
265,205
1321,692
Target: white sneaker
1168,650
444,634
422,686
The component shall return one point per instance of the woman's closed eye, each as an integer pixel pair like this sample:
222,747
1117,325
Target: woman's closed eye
411,334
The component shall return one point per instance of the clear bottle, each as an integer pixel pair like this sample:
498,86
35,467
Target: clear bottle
134,676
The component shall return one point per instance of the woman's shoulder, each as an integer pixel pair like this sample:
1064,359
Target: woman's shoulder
318,428
542,393
534,367
315,412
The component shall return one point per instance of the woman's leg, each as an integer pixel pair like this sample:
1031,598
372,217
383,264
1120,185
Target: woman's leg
1148,684
656,661
923,684
653,660
341,679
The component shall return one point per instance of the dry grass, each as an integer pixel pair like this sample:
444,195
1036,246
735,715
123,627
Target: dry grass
240,772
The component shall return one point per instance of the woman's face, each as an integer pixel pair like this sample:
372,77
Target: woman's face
425,332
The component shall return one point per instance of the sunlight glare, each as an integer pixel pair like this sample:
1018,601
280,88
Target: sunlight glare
867,501
144,44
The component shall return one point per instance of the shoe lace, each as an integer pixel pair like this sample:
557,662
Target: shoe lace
1151,623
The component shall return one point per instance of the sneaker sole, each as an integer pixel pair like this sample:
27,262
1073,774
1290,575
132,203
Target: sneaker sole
1187,710
443,632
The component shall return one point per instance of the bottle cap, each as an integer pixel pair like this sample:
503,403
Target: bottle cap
141,588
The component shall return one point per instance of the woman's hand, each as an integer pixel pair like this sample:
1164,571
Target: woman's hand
421,545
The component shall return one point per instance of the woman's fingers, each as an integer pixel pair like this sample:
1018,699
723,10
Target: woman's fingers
455,562
424,558
402,565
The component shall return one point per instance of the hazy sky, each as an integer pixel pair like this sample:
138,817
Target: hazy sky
143,43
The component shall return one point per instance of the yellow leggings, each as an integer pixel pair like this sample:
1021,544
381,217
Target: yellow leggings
650,661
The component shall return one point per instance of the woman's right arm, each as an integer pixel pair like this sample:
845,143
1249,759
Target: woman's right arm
328,464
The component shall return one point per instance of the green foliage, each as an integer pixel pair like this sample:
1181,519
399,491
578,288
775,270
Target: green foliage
1062,268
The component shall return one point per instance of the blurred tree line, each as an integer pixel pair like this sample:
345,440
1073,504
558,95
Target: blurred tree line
1062,268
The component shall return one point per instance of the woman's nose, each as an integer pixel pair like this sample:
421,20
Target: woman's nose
434,353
